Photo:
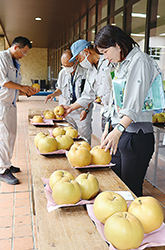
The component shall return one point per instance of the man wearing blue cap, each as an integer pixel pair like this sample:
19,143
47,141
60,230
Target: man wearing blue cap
98,81
70,85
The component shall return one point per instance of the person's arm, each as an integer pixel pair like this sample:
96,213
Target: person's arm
69,108
84,113
57,92
27,90
87,96
75,106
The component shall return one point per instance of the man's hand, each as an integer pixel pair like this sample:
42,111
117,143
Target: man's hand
83,115
36,90
49,97
28,90
24,89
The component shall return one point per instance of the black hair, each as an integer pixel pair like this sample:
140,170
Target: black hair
109,35
22,42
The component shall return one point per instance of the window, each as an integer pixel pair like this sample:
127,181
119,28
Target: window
102,10
59,60
67,36
138,21
117,20
76,29
135,25
91,36
155,53
118,4
92,17
101,25
157,34
115,5
83,23
71,33
83,36
57,64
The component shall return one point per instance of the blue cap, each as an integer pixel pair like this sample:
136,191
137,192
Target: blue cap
77,47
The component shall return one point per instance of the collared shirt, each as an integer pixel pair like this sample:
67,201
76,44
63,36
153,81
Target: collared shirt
98,83
139,70
8,72
64,83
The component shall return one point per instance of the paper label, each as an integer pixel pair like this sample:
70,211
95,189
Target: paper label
154,100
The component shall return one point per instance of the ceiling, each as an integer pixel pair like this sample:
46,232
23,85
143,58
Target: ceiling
17,18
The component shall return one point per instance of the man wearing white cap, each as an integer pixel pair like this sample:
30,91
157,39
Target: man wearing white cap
98,81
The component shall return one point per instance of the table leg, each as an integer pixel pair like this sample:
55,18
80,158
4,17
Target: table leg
156,154
33,201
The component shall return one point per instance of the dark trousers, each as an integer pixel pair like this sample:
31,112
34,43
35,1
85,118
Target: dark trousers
132,159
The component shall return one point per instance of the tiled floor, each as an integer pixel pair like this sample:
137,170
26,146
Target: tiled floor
18,230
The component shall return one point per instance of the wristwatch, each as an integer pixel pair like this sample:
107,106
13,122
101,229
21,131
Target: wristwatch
86,110
120,127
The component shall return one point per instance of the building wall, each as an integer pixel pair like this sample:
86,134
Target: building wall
34,65
2,43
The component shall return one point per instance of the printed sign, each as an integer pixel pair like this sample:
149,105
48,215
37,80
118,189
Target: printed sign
154,100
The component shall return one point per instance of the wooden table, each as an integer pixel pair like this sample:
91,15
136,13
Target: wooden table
66,228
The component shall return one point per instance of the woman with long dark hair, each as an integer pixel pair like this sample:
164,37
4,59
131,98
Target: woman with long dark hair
131,141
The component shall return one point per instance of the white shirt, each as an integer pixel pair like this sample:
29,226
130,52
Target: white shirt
64,83
139,70
8,73
98,83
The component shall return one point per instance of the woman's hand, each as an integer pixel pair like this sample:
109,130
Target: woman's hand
111,141
83,115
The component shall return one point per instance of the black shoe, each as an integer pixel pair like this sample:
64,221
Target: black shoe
8,177
14,169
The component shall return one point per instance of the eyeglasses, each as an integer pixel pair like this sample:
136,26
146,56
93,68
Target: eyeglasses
25,54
